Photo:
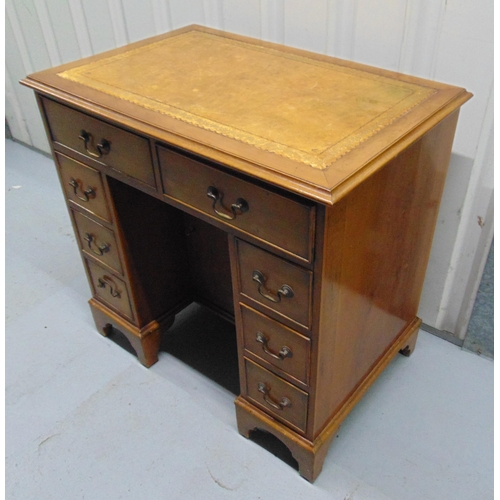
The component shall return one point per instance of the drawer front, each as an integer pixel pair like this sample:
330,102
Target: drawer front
273,342
83,186
97,241
278,220
275,283
109,288
276,396
120,150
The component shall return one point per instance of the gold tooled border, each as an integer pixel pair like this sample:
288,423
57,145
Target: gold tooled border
319,161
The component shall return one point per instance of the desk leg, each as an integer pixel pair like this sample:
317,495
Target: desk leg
410,345
145,341
310,456
146,347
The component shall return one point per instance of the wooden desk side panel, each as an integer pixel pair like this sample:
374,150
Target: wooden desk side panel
377,245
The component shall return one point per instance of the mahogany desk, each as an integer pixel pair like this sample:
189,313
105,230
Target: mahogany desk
293,192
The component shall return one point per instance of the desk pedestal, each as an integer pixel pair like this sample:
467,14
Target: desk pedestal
310,455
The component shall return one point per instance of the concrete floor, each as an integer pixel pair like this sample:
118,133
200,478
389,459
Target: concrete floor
85,420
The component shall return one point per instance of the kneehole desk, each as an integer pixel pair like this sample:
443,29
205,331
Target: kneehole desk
293,193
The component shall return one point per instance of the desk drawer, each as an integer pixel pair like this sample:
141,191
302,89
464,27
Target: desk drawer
83,186
275,283
276,396
121,150
278,220
109,288
97,241
276,344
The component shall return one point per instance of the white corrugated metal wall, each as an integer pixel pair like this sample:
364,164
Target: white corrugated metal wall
445,40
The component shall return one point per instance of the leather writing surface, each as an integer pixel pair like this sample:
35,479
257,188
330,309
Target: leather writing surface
301,108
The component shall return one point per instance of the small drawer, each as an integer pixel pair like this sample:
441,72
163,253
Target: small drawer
276,396
275,219
83,186
275,283
97,241
114,147
276,344
109,288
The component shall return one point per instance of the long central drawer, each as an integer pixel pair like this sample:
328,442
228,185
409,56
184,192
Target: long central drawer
270,217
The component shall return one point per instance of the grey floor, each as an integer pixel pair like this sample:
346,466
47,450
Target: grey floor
85,420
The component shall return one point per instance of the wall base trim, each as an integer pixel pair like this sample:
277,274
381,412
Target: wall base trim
442,334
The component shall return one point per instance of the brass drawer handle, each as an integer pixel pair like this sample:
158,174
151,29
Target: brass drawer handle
278,405
113,289
103,148
285,351
87,194
99,249
240,206
285,291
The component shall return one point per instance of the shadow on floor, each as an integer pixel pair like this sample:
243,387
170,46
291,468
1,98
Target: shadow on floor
202,340
206,342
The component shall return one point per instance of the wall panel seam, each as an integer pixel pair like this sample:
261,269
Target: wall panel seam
264,20
353,28
328,44
161,16
220,13
168,12
214,13
118,23
437,39
10,94
81,28
407,48
18,35
48,32
205,11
